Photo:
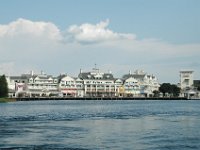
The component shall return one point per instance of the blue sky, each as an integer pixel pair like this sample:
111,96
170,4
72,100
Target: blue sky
176,21
155,26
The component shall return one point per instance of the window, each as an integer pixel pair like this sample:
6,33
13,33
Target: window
78,86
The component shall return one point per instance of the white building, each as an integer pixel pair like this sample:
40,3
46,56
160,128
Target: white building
71,87
32,85
17,86
87,84
186,79
119,89
143,84
99,84
131,87
79,87
188,85
41,85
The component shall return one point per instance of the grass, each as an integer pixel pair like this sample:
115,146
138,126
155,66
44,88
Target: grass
5,100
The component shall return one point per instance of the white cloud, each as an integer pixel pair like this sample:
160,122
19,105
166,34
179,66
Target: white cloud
28,45
23,27
89,33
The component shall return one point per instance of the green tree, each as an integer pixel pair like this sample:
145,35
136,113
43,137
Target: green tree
175,90
198,88
165,88
171,89
156,93
3,86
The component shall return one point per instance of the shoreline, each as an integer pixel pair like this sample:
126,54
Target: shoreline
101,98
5,100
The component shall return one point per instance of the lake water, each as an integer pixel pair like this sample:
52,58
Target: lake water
81,125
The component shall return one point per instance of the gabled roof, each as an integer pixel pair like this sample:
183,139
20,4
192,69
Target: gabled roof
136,76
68,78
78,79
117,79
131,79
108,76
18,77
45,77
85,75
88,75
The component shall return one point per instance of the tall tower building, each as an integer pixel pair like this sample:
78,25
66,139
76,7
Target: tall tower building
186,79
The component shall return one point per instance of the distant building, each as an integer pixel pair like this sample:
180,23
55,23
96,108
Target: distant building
87,84
32,85
71,87
99,84
17,85
140,83
67,85
41,85
186,79
189,87
131,87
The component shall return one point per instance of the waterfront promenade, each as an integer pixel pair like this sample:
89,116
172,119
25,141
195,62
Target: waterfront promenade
100,98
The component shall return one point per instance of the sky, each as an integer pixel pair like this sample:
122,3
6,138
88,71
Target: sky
64,36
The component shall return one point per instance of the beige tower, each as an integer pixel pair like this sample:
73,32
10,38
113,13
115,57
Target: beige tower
186,79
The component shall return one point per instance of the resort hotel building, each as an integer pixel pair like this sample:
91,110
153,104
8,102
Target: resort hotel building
87,84
188,85
32,85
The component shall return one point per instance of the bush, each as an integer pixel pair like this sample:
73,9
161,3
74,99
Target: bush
3,86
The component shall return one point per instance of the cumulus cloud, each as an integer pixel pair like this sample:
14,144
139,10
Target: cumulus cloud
89,33
34,45
23,27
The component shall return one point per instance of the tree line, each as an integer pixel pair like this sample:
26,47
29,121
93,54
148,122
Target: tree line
3,86
167,88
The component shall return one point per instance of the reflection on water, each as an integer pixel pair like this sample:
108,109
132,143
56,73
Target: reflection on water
100,125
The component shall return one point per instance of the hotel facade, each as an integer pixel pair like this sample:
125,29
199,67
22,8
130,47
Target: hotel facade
87,84
189,86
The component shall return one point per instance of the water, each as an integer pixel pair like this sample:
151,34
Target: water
80,125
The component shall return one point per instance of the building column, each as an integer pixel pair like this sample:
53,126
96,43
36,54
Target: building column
109,90
85,89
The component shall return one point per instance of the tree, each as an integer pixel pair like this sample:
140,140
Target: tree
171,89
165,88
3,86
175,90
156,93
198,88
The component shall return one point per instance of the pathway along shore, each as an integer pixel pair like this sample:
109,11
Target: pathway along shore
100,98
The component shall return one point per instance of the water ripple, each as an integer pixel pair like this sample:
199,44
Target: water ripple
81,125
